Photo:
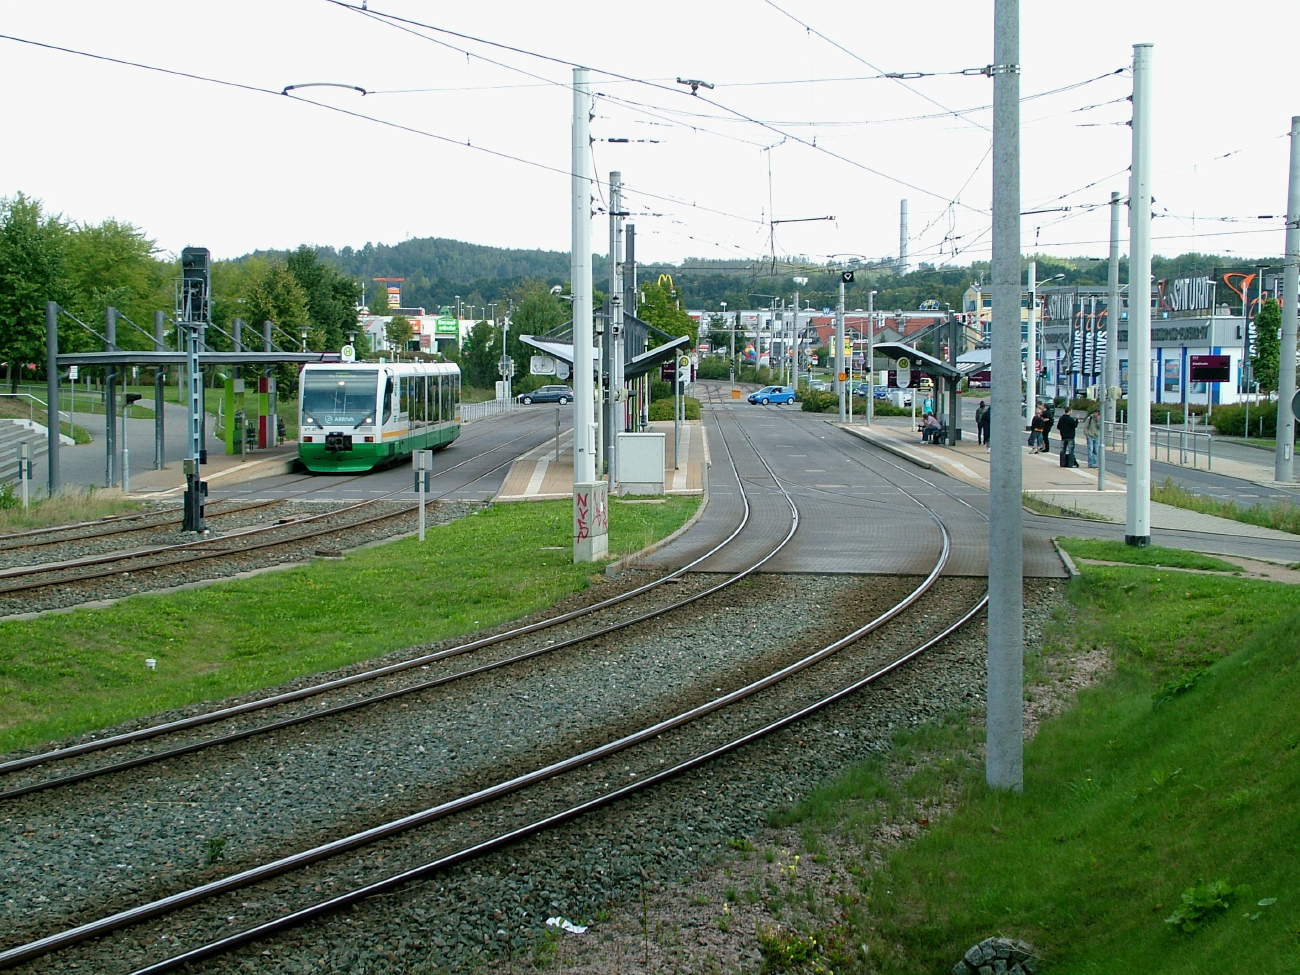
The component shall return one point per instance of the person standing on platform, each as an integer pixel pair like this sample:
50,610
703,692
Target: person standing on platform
982,436
1092,434
1066,426
1036,432
1049,417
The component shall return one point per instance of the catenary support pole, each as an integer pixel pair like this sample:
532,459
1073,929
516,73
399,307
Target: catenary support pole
839,351
590,518
1284,460
1137,525
1031,347
902,237
614,333
159,381
110,401
1114,315
1004,768
52,392
871,357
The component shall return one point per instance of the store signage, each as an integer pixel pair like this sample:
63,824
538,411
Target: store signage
1185,294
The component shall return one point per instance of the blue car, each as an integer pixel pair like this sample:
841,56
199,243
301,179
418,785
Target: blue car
772,394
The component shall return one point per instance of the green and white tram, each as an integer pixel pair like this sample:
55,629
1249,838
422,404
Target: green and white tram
355,416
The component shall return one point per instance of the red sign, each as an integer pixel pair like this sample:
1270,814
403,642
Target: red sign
914,379
668,371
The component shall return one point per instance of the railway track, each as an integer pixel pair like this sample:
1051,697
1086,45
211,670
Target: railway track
648,737
420,661
285,533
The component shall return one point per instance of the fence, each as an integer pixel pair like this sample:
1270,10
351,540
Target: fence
469,412
1189,446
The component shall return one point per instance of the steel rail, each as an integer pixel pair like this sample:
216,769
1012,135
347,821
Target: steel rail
366,837
223,714
206,544
388,884
337,709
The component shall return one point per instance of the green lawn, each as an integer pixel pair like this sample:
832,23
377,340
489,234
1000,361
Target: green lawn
1181,770
68,673
1154,555
1279,515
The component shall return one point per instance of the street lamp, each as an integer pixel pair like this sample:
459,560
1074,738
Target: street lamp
733,343
303,333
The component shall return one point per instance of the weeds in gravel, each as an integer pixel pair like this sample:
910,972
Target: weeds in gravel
216,850
64,508
67,673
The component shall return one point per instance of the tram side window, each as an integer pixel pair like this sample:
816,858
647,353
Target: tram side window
421,398
388,399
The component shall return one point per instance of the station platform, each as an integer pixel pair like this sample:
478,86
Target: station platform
221,470
1071,488
546,472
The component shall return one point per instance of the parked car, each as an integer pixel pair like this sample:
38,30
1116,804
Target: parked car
772,394
817,384
547,394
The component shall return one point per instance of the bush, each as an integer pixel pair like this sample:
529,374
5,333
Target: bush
713,367
662,409
660,390
1230,421
818,401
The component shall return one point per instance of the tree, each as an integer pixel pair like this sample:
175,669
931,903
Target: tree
33,250
479,355
114,264
1267,347
398,332
331,296
662,309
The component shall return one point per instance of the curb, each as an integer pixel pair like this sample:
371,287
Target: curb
1066,560
888,446
238,474
627,561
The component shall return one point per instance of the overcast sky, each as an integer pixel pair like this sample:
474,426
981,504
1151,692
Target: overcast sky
794,128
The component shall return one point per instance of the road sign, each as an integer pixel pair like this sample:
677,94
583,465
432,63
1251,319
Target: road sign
347,354
542,365
72,373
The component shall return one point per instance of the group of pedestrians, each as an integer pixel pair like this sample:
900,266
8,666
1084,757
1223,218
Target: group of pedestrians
1040,431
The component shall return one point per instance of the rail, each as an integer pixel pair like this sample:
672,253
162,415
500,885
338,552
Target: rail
1182,445
469,412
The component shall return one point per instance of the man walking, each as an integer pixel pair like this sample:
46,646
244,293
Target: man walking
981,423
1066,426
1092,434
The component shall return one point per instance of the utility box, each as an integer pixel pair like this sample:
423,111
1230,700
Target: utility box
640,463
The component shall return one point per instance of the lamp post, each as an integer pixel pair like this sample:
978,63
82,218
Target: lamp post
733,344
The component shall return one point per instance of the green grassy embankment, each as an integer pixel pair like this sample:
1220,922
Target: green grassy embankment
1179,771
68,673
1153,555
1280,515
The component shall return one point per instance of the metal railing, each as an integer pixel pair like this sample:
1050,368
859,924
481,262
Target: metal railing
1182,445
32,403
469,412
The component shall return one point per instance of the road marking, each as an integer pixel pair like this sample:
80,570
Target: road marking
539,473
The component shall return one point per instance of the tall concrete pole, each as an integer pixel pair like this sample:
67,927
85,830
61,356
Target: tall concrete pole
794,344
1137,524
902,236
1031,347
614,340
1284,460
159,380
1114,315
871,356
839,350
110,401
590,518
52,393
1005,722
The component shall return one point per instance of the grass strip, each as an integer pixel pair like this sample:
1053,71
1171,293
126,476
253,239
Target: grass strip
1155,555
64,674
1176,774
65,508
1037,504
1280,515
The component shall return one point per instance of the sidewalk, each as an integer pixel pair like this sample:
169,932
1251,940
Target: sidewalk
1065,487
540,475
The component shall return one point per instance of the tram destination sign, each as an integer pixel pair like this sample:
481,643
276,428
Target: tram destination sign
1210,368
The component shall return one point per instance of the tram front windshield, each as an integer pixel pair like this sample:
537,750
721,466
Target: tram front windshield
342,397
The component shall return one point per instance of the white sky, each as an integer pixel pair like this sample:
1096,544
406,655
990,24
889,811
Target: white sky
196,163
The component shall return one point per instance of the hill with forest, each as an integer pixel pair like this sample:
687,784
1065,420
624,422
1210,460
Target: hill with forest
438,270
